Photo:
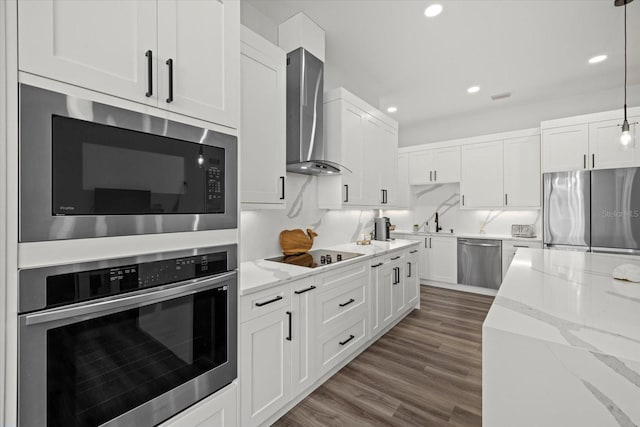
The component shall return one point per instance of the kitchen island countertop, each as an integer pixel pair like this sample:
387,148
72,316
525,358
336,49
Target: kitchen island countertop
561,343
260,274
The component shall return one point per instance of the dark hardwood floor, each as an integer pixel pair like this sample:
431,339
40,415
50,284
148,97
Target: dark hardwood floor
427,371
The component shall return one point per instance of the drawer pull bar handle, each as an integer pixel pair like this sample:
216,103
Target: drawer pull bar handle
395,258
520,246
344,304
260,304
413,252
376,265
290,317
170,65
149,56
409,265
347,340
310,288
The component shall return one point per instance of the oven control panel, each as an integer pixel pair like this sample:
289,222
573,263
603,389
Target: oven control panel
84,285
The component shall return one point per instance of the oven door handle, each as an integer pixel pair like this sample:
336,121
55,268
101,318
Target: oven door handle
92,309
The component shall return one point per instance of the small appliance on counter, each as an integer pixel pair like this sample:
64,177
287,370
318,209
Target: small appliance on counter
523,230
381,228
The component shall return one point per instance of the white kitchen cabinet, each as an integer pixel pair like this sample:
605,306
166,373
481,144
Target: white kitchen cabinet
219,410
382,277
443,259
365,141
522,172
565,148
265,366
398,285
303,335
437,166
94,44
201,39
404,188
509,249
263,123
412,278
605,149
122,48
481,184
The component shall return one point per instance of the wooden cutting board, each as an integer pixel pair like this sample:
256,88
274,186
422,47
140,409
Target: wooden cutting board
294,242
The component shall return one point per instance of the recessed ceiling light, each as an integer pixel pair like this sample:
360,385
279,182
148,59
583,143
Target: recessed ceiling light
597,59
392,109
473,89
433,10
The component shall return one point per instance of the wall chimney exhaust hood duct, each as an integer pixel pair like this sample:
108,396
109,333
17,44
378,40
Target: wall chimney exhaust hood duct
305,145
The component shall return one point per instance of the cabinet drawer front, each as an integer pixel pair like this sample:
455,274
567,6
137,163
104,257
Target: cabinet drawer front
336,304
341,276
264,302
515,244
338,346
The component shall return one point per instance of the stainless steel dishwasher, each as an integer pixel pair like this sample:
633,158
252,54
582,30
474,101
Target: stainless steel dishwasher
480,262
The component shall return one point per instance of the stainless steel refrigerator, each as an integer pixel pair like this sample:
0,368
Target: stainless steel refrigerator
595,211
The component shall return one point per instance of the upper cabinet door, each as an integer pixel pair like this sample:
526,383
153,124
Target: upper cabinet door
565,148
199,58
421,167
403,200
606,152
389,166
353,152
522,172
95,44
481,183
373,141
263,121
446,165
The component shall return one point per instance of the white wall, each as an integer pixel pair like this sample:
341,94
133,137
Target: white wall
258,22
445,199
260,230
513,117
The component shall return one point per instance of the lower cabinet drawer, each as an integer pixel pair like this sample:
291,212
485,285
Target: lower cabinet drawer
336,347
264,302
335,305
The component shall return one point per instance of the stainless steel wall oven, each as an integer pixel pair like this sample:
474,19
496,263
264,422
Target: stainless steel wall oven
92,170
130,341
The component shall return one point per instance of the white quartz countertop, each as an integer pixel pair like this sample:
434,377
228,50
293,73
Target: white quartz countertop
260,274
446,233
570,298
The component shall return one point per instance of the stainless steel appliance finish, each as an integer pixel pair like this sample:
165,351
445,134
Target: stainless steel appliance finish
567,210
480,262
381,228
38,107
615,211
315,258
129,359
305,146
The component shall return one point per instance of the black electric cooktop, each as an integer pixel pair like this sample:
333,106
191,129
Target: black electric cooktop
317,258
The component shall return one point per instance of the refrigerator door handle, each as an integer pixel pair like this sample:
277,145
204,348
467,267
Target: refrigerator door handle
616,251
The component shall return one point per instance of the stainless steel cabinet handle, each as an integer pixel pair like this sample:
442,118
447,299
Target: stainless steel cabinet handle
520,246
484,245
344,304
310,288
140,298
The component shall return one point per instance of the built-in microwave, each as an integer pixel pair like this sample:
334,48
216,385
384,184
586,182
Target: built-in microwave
91,170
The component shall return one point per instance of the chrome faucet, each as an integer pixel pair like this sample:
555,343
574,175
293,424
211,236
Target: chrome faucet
438,228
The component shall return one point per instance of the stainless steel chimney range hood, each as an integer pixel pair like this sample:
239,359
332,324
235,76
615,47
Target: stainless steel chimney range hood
305,145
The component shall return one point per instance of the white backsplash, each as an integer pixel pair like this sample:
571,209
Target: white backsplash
445,199
260,229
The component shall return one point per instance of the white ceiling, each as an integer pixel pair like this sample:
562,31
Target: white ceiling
536,49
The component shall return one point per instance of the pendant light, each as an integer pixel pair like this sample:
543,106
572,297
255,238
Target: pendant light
625,137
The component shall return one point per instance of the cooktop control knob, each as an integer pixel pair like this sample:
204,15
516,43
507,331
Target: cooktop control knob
339,257
328,257
323,260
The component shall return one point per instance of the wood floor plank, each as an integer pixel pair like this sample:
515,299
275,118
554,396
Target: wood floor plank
426,371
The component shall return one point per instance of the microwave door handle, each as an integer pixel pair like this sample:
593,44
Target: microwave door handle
92,309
